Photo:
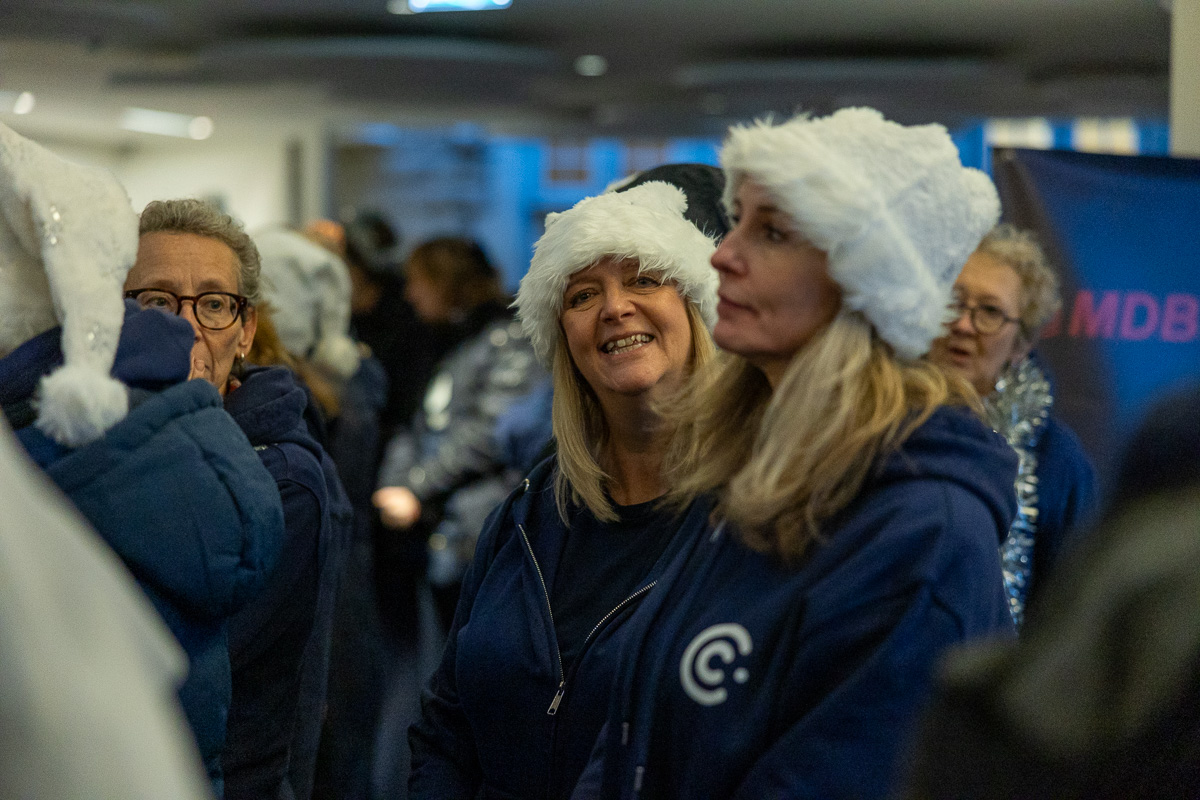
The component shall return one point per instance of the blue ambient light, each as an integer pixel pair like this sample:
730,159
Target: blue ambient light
421,6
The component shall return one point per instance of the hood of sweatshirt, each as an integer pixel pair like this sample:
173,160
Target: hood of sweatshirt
957,446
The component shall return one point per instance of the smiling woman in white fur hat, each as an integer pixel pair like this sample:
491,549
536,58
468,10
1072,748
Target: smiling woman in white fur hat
788,653
617,301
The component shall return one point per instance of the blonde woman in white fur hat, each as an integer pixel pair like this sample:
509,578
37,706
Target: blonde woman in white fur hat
617,302
861,500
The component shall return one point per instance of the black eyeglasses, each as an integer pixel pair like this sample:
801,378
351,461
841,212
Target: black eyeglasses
215,311
985,318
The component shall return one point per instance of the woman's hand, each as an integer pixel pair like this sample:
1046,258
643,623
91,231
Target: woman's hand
398,507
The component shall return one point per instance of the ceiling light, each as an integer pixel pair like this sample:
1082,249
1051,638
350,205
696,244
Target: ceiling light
421,6
166,123
1033,133
200,128
23,103
591,66
16,102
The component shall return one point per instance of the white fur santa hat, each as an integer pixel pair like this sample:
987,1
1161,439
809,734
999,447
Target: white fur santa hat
646,222
308,288
892,206
68,236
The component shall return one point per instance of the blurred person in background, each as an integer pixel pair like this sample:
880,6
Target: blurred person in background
1005,295
408,346
307,287
617,302
861,500
105,406
198,264
442,472
1100,698
88,670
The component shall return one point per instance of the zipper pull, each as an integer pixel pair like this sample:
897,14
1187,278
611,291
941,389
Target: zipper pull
562,689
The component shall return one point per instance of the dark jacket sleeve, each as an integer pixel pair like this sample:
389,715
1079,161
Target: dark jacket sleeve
445,764
1067,484
267,641
497,375
870,657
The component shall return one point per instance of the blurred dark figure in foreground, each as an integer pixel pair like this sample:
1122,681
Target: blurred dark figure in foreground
88,671
1101,697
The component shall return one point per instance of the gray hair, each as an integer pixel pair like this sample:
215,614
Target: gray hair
197,217
1040,297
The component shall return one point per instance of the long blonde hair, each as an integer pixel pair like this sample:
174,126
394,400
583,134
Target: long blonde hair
581,432
783,463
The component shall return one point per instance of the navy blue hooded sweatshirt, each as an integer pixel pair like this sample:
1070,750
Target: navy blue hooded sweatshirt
484,730
175,490
279,643
743,678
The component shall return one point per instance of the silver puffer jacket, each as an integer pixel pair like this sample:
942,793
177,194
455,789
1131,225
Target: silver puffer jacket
449,457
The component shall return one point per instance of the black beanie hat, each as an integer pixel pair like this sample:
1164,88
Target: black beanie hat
703,186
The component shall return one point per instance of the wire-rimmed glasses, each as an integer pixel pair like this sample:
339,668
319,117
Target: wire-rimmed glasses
985,317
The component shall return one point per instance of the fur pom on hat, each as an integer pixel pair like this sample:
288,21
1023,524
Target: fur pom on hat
308,288
645,222
892,206
68,237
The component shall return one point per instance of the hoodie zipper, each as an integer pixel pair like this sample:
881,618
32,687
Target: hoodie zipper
562,677
562,683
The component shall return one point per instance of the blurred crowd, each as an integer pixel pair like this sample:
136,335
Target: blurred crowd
754,489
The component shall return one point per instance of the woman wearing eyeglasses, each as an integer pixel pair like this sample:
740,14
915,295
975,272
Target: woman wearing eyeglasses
1004,296
197,263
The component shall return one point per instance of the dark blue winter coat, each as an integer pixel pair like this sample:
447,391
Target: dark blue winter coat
484,723
743,678
1066,497
177,492
279,643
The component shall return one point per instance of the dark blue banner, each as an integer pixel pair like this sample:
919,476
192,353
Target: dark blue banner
1125,233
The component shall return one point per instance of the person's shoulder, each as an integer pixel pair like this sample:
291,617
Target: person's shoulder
291,461
194,402
952,448
1061,444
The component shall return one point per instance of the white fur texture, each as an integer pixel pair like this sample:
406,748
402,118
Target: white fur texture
339,355
646,223
68,237
892,206
78,403
308,289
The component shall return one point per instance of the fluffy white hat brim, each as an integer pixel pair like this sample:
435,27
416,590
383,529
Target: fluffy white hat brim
645,223
892,206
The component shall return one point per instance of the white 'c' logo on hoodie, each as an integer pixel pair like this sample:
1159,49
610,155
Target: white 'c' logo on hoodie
701,680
